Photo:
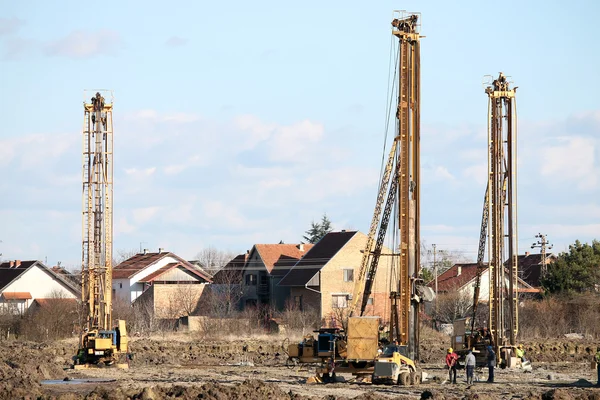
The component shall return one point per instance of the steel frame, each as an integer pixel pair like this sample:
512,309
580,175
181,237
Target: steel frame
97,199
502,207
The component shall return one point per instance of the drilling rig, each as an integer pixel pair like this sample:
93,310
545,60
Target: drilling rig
101,342
499,227
502,225
397,202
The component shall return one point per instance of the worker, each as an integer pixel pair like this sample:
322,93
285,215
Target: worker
597,358
491,362
451,361
470,365
521,353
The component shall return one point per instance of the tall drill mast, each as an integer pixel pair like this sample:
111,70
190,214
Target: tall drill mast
96,293
404,310
502,206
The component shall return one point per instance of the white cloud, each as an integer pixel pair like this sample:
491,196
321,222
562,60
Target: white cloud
10,25
83,44
142,215
442,172
573,159
477,173
175,41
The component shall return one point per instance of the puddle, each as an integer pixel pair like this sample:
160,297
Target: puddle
76,381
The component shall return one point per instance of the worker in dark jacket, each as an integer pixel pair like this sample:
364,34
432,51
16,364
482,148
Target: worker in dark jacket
597,358
491,361
451,361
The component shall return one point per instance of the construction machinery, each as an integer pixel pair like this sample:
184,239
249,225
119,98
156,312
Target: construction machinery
102,342
386,350
499,226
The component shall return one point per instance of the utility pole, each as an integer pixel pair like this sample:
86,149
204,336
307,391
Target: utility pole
435,272
544,245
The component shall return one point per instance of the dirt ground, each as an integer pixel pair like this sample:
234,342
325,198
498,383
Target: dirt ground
186,367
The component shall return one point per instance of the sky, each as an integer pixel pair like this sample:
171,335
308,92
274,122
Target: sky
239,123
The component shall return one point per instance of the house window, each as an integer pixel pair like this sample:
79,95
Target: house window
348,275
339,301
250,280
264,280
298,303
120,286
370,301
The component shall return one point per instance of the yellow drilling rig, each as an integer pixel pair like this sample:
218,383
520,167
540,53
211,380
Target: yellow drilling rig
102,342
386,352
499,227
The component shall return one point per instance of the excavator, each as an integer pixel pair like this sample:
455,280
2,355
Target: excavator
385,351
102,341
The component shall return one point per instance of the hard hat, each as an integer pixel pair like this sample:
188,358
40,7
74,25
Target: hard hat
450,350
489,347
520,346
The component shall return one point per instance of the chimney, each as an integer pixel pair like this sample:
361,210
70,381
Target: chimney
145,251
247,252
301,247
458,270
12,264
160,250
343,230
527,254
17,263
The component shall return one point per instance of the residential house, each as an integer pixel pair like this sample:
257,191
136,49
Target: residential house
265,266
163,281
531,267
23,282
324,279
461,278
233,272
224,295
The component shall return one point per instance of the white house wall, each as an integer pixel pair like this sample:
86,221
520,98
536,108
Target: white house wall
40,284
121,288
153,268
484,291
177,275
131,288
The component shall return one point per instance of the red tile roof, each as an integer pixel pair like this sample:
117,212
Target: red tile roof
17,296
49,303
135,264
451,280
281,256
128,268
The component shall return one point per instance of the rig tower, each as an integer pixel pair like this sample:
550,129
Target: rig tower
96,293
405,308
502,207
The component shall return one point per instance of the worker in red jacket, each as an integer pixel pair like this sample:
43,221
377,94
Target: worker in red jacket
451,362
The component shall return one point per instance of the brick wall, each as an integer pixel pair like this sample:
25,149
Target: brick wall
176,300
332,279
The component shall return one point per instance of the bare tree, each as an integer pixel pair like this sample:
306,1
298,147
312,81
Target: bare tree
122,254
300,320
55,317
213,259
453,305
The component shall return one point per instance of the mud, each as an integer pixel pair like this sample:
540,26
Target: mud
186,368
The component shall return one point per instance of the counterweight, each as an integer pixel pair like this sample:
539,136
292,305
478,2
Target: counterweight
502,206
97,212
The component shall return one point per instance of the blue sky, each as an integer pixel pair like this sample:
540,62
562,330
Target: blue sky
238,123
